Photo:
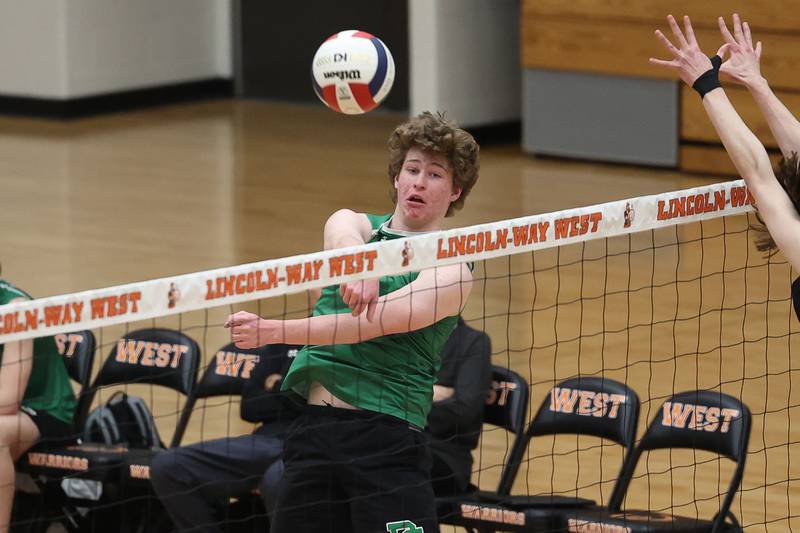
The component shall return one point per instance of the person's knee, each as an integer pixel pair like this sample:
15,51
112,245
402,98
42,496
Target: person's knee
268,485
166,471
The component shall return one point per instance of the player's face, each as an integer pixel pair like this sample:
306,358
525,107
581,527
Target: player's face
424,190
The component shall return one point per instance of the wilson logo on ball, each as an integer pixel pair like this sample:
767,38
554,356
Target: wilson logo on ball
352,72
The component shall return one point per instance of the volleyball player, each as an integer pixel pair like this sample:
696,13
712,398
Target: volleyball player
36,401
777,196
356,459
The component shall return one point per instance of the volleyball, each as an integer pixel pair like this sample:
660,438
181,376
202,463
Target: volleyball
352,72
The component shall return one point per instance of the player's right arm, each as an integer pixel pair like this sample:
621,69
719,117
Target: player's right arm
348,228
743,67
744,149
437,293
15,370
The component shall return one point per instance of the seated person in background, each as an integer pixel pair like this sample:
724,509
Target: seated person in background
456,416
36,401
196,482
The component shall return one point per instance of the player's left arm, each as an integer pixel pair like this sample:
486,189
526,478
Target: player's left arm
437,293
15,371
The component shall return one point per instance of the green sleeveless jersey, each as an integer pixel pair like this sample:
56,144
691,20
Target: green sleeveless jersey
393,374
48,389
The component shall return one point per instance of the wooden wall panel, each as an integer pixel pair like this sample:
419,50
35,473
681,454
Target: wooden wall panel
695,125
762,15
622,48
590,46
712,160
615,37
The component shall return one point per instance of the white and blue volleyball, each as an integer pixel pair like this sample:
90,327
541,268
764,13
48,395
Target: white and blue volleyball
352,72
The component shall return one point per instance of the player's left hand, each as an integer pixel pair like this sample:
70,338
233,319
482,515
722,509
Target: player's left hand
248,330
360,295
688,59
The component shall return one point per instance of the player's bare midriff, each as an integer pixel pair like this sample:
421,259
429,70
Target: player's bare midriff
319,395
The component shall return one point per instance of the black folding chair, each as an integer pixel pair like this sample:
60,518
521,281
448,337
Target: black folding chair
95,472
222,377
594,406
506,407
78,349
701,420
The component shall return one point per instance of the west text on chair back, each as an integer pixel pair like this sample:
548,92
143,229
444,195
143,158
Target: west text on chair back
226,374
701,420
78,350
228,371
595,406
506,407
157,356
507,401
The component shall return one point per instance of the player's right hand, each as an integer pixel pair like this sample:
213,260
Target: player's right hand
361,295
688,60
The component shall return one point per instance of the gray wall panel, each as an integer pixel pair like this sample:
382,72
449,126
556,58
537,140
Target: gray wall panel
598,117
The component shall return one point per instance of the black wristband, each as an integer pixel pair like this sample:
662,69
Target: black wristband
708,80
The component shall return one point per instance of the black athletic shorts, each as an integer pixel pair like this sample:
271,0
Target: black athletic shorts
354,471
51,429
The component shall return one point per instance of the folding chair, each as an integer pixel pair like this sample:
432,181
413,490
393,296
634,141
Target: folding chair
221,378
593,406
90,472
701,420
506,407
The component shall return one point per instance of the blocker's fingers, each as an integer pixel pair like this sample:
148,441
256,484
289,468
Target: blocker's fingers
737,29
662,62
687,24
748,37
758,50
726,34
667,44
676,31
723,50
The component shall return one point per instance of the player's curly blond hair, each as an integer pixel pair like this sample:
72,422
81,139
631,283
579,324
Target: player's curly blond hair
434,133
788,175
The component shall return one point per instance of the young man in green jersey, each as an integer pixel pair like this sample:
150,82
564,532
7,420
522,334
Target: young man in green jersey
356,459
36,401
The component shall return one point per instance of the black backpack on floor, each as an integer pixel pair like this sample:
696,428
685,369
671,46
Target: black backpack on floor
122,420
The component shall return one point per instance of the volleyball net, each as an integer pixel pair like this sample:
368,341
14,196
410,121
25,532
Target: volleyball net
663,293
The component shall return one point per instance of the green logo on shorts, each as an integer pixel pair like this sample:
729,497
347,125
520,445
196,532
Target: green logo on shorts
403,526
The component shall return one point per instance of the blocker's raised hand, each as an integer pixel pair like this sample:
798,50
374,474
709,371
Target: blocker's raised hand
743,66
688,60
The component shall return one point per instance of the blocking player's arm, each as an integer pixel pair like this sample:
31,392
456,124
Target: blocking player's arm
15,370
434,295
743,66
752,162
745,150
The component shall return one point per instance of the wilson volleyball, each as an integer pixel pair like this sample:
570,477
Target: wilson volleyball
352,72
